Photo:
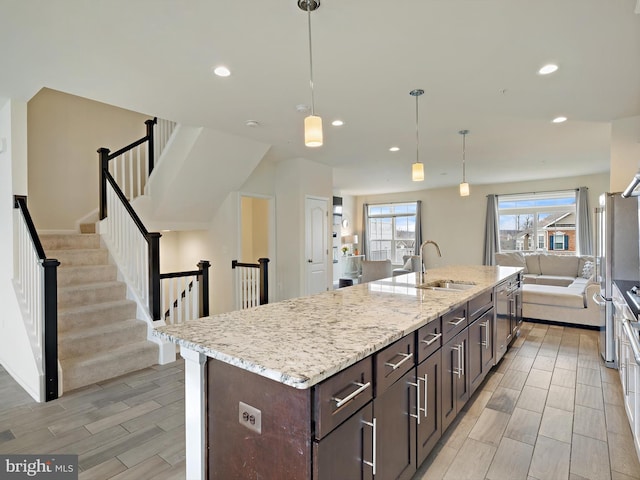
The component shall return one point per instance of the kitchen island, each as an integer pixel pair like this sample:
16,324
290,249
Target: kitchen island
271,391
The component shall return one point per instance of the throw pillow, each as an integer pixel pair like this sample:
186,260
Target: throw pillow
587,270
408,265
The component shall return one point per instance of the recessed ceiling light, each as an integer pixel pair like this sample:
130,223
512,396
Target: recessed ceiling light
222,71
394,149
559,119
337,123
547,69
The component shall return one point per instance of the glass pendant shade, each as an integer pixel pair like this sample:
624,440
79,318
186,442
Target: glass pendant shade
464,189
313,131
417,172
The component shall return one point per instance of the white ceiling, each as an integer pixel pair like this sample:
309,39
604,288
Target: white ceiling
476,60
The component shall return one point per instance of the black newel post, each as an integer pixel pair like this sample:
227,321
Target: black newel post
151,146
153,238
264,280
203,292
103,155
50,328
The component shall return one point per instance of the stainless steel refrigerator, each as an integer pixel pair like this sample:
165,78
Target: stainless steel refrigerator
616,258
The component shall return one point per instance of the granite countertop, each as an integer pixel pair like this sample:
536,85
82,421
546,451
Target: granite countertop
302,341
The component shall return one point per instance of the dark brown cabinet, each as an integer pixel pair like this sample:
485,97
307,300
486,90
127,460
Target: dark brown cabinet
429,409
480,349
455,387
396,430
347,452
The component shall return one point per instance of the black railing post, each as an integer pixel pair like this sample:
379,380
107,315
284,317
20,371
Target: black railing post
103,155
203,291
264,280
50,328
153,239
151,146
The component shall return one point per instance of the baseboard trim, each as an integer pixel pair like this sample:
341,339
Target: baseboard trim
562,324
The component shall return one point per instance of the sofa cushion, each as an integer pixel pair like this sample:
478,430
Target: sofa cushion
511,259
533,263
563,265
529,278
552,295
556,280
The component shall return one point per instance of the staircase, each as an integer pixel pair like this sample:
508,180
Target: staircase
99,336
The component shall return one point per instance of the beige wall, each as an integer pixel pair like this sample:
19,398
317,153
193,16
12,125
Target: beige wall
255,229
457,223
625,152
64,133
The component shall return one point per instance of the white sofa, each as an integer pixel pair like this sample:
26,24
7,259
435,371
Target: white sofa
556,288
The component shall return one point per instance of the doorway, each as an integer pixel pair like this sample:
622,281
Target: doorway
316,244
257,233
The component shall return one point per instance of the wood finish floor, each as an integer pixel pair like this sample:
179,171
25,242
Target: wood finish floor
549,410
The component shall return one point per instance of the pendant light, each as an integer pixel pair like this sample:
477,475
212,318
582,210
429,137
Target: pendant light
312,123
417,169
464,186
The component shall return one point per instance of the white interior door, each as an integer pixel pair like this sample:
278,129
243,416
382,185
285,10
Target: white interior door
316,245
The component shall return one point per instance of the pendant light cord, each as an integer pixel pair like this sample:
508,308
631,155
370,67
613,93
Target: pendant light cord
464,137
310,58
417,135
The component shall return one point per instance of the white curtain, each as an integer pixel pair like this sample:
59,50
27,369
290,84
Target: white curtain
584,232
492,231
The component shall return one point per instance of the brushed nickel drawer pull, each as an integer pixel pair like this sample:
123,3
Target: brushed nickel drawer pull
436,336
395,366
485,342
426,403
459,321
372,464
341,401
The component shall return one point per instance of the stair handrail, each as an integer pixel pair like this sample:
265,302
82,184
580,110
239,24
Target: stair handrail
148,288
42,302
262,280
202,277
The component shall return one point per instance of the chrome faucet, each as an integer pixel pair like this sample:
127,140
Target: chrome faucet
422,267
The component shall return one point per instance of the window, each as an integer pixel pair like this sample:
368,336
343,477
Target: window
538,221
392,231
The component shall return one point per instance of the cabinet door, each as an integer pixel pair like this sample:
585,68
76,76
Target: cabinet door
429,378
347,452
396,430
487,341
476,347
455,391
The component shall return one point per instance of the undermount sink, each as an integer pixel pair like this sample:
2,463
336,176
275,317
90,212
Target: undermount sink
451,285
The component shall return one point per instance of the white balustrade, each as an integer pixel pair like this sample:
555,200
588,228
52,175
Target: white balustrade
247,287
29,281
180,299
127,245
161,134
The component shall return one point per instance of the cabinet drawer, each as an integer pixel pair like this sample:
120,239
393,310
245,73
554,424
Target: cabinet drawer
453,323
429,339
394,361
480,304
338,397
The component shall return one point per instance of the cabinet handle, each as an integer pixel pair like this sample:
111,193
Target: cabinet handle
457,371
395,366
372,463
485,343
417,385
462,357
459,321
436,336
341,401
426,401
